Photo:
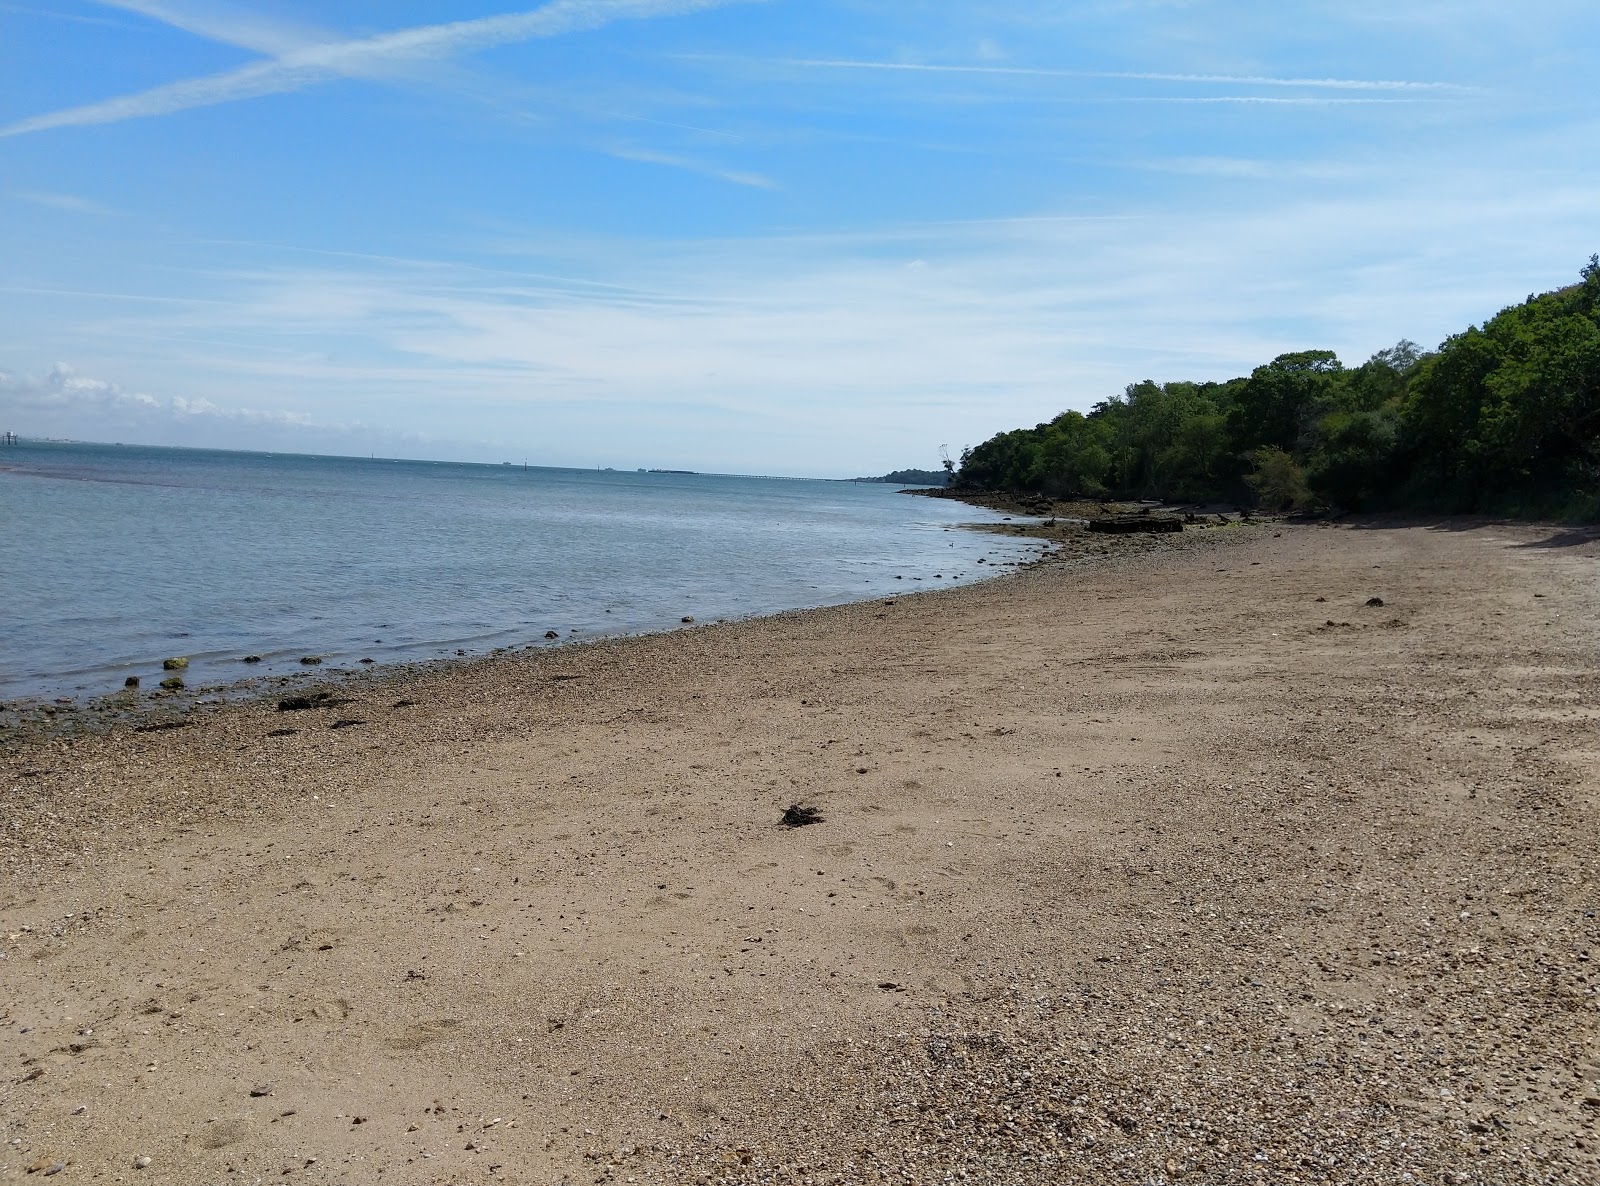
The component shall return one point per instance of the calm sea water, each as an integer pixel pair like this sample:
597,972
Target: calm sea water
114,557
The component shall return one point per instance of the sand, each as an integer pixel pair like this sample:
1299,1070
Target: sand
1177,862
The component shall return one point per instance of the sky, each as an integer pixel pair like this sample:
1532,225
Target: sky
821,238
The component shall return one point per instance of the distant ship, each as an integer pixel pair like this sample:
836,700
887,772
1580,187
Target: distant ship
666,471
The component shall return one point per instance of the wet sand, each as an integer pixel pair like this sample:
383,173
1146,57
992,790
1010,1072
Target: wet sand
1170,861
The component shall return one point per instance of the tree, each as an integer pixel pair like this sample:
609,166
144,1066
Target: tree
1273,407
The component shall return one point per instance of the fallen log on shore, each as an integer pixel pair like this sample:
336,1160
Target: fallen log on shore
1129,526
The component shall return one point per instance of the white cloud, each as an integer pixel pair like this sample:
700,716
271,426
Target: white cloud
368,57
63,390
64,403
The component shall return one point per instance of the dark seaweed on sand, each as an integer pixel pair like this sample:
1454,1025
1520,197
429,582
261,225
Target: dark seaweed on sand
796,816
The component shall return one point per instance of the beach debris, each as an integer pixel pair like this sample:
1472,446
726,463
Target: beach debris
310,660
161,726
131,682
1374,602
1135,524
251,659
282,732
347,723
261,1089
175,664
563,678
798,816
141,1162
891,986
404,704
172,683
551,634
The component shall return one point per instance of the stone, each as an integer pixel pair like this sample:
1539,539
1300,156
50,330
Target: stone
141,1162
251,659
172,683
175,664
310,660
131,682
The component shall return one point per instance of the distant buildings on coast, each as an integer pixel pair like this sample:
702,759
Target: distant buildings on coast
9,438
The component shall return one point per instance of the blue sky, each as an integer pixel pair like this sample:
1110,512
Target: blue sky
818,238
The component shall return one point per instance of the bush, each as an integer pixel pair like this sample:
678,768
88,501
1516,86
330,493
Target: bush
1279,480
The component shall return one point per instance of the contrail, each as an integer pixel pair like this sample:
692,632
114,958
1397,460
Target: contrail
1350,84
309,64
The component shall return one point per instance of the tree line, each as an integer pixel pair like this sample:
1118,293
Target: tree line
1502,418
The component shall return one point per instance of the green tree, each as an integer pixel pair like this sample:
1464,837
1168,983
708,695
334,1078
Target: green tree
1274,406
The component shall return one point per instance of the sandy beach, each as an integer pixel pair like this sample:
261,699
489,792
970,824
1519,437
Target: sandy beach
1188,860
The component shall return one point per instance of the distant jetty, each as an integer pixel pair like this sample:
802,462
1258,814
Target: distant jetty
667,471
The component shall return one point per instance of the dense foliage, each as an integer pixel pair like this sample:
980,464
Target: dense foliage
1503,417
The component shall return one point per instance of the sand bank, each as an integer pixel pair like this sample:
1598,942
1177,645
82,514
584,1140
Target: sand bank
1185,864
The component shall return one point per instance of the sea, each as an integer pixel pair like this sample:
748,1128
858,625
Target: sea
115,558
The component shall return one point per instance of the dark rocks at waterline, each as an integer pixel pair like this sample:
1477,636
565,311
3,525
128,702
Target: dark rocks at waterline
131,682
251,659
551,634
175,664
310,660
173,683
688,620
314,700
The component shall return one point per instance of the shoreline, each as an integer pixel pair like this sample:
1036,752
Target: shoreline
28,720
1132,870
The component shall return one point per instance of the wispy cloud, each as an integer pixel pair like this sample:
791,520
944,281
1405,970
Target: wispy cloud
368,57
244,30
75,18
69,202
704,168
1348,84
1264,100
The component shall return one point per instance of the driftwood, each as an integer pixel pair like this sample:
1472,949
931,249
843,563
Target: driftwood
1130,526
